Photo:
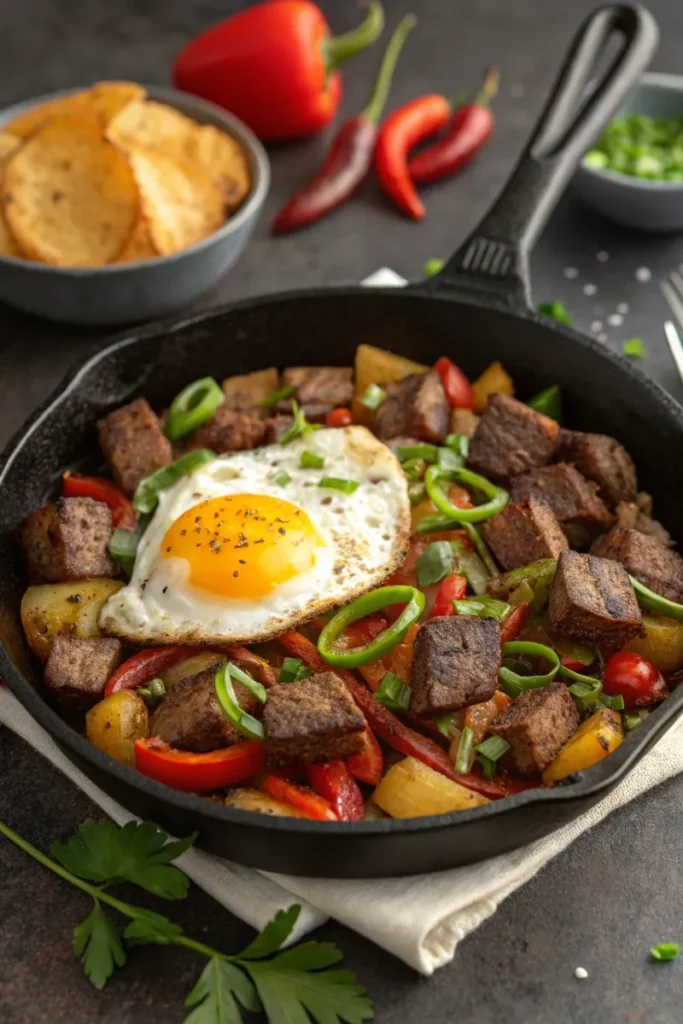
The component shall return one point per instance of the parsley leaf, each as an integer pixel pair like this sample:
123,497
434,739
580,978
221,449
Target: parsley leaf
634,348
138,852
214,995
555,310
98,946
288,991
150,927
275,933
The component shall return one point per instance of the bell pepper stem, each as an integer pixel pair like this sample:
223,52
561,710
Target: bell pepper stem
339,48
378,98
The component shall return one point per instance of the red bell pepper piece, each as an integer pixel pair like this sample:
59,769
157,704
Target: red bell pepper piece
309,804
339,418
573,664
123,514
333,781
143,666
511,627
367,765
456,385
274,66
255,665
197,773
452,588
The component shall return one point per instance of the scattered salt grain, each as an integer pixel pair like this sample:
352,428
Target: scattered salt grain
596,326
516,91
622,308
590,289
570,273
615,320
602,256
581,972
643,274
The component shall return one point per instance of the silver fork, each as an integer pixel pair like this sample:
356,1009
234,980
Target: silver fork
672,290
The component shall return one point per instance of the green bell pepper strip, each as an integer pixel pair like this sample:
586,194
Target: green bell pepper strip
225,692
147,494
436,524
123,545
513,683
481,548
373,602
548,402
482,607
498,498
655,602
471,567
459,443
539,575
192,407
393,693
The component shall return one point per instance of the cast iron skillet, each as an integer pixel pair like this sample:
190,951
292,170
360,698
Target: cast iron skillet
475,311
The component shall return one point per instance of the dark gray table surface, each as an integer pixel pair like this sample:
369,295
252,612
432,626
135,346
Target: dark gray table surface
616,891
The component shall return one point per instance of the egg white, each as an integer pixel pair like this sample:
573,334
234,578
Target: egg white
364,539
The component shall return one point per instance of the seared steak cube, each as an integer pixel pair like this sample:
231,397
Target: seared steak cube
603,460
228,431
580,512
245,392
537,725
643,557
463,421
78,669
632,516
134,444
189,716
68,540
592,599
510,439
455,664
524,532
276,426
415,407
314,719
326,386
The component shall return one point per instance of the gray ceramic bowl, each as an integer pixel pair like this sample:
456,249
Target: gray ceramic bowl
130,292
637,202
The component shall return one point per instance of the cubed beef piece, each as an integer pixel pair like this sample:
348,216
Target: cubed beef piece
593,600
602,459
245,392
327,386
510,439
189,716
313,411
537,725
276,427
580,512
463,421
314,719
134,444
416,407
630,515
455,664
643,557
228,431
77,669
524,532
68,540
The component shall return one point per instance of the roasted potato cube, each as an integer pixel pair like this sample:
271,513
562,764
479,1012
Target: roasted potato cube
495,380
72,608
116,723
412,790
597,737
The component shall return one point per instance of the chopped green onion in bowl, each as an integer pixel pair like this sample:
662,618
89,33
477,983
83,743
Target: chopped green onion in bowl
640,146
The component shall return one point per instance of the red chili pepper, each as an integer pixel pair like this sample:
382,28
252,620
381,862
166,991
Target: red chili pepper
197,773
274,66
468,131
452,588
350,156
633,677
254,664
456,385
511,627
339,418
402,130
367,765
123,514
143,666
310,804
333,781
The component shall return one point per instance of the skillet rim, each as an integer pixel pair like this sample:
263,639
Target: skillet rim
601,776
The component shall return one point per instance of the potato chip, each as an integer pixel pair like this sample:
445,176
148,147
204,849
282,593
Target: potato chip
140,245
69,195
8,245
8,143
110,98
100,103
181,201
224,157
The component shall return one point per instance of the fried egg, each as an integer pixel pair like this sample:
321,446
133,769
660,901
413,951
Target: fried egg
236,552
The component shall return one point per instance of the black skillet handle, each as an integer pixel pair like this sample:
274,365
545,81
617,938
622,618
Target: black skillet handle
494,260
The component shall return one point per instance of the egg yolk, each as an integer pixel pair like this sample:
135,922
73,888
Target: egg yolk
243,545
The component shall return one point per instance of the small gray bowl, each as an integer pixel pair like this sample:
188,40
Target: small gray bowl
123,293
655,206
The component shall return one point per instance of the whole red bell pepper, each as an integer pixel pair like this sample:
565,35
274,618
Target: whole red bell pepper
309,804
452,588
143,666
456,385
367,764
273,65
123,514
333,781
198,773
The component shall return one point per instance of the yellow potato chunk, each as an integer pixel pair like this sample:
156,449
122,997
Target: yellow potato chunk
597,737
72,608
662,643
116,723
412,790
494,381
377,366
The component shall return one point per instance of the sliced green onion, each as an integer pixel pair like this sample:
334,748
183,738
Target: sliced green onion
147,494
123,545
192,407
665,951
548,402
225,692
393,693
428,452
433,266
555,310
613,701
293,669
458,443
481,548
435,563
655,602
465,754
482,607
447,459
337,484
373,396
445,724
417,495
471,567
511,682
634,348
414,601
282,479
490,752
309,460
276,396
585,694
414,468
300,425
498,498
632,719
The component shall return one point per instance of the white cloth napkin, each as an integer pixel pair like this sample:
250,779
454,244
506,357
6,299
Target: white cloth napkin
419,919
